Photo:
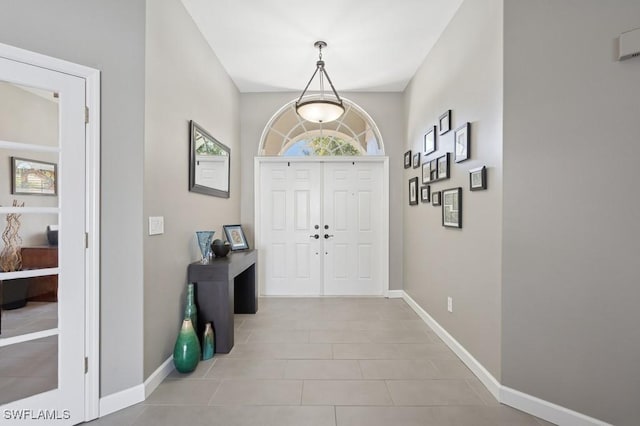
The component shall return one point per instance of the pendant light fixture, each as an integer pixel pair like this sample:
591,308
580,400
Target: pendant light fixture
320,109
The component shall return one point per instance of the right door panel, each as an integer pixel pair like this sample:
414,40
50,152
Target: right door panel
352,212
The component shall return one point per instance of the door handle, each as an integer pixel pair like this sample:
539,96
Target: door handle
327,236
316,236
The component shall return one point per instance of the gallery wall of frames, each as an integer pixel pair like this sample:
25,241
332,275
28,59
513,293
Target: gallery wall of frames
436,163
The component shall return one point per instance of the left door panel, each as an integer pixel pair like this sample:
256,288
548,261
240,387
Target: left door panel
290,223
42,252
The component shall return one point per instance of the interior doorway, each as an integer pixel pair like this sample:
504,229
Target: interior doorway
49,254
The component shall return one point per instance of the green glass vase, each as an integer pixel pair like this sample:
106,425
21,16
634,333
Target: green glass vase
190,310
208,345
186,352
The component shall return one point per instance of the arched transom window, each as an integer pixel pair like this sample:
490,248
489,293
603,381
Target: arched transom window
354,133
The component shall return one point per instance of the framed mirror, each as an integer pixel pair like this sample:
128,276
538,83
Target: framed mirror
209,166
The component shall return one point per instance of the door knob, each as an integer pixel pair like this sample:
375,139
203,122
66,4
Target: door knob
316,236
327,236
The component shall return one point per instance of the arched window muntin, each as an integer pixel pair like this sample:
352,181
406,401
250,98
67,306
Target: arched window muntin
286,128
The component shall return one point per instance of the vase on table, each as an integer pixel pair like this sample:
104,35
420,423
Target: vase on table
204,243
186,352
190,310
208,342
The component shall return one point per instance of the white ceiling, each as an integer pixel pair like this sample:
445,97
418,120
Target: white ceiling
373,45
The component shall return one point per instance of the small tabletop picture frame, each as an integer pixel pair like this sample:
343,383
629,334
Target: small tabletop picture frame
461,141
413,191
430,141
425,194
478,179
445,122
236,237
407,159
452,208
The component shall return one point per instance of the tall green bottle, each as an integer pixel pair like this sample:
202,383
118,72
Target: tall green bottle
190,310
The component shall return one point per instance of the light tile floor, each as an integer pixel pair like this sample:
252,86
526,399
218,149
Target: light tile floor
326,362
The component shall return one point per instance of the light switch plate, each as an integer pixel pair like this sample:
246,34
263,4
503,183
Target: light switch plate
156,225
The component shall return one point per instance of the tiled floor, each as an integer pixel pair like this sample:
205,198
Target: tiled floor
326,362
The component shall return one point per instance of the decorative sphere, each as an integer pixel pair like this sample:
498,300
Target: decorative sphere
220,248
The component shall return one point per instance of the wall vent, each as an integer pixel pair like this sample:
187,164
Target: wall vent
629,44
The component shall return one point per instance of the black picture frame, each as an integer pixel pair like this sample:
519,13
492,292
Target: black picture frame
451,200
444,122
425,194
478,179
407,159
416,160
443,166
461,143
435,198
430,141
413,191
235,237
426,172
434,170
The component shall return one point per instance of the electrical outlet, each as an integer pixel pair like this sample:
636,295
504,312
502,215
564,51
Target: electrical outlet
450,304
156,225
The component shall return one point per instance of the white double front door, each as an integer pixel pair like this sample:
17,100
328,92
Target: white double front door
322,227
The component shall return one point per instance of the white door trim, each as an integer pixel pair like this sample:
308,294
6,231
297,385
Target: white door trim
385,206
92,219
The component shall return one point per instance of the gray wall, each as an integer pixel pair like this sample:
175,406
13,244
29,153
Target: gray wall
571,233
184,81
463,73
107,35
385,109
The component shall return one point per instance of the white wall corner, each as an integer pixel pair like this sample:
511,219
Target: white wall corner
161,373
524,402
128,397
123,399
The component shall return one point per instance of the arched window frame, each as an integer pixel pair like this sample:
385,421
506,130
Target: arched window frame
312,130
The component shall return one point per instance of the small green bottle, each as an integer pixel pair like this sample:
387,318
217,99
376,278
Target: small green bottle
208,342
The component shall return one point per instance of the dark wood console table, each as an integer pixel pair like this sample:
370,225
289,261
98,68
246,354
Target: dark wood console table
225,286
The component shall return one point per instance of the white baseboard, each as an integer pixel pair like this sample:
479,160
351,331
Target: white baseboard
161,373
123,399
128,397
524,402
395,294
546,410
478,369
